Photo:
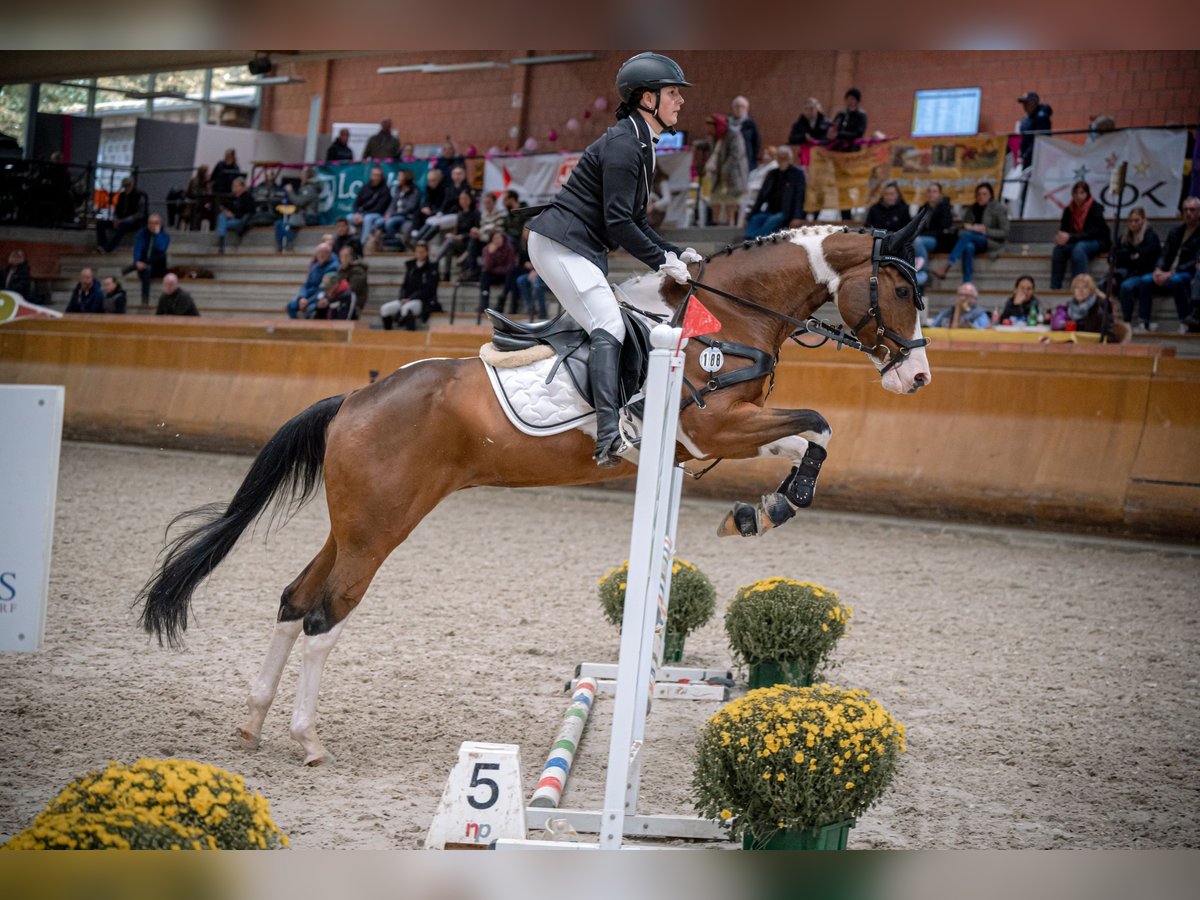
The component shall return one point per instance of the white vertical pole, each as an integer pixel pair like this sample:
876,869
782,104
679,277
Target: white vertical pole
314,128
641,631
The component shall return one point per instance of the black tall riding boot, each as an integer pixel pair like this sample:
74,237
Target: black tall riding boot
605,378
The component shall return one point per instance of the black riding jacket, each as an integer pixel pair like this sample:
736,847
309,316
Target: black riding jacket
603,204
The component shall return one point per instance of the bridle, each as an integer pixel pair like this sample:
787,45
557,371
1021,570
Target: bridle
839,334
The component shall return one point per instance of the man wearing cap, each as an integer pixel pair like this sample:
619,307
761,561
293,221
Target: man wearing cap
1037,118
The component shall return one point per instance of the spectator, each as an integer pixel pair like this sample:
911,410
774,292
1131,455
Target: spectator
498,260
891,212
1176,267
371,205
435,199
767,162
418,293
492,218
301,207
224,174
780,200
236,213
323,263
115,300
408,151
449,160
462,244
726,170
985,228
966,311
1136,255
1092,311
1192,322
533,293
150,254
128,215
353,270
937,231
514,225
658,201
384,144
199,200
1101,125
1081,235
87,297
812,127
1037,120
16,276
335,299
522,267
848,128
740,122
447,217
174,300
1023,307
344,236
339,150
402,211
53,198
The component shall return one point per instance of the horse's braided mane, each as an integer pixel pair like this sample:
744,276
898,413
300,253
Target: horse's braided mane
785,235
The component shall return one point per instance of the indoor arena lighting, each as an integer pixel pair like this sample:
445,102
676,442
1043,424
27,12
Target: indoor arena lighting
436,68
266,82
558,58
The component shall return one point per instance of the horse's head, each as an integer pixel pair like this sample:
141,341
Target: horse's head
877,294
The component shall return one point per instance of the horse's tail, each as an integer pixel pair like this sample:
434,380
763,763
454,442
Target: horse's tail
292,462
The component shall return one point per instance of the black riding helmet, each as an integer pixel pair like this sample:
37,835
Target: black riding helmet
647,72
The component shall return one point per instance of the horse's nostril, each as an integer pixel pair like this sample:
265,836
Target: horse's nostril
920,379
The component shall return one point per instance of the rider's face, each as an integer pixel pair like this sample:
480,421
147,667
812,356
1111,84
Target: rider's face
669,105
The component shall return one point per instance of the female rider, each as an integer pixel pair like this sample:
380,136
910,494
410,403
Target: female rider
601,207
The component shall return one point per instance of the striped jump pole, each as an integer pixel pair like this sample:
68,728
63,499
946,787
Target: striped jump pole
558,765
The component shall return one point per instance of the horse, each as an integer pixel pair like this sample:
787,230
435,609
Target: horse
391,451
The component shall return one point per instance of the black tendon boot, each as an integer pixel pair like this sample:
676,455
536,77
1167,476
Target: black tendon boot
602,369
800,485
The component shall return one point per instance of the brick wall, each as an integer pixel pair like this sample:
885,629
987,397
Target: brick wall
477,108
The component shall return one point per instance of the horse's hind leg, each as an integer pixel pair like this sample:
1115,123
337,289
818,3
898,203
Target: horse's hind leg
304,716
298,597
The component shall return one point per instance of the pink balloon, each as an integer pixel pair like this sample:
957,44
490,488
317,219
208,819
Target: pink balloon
601,103
552,135
530,145
572,124
493,150
587,113
472,151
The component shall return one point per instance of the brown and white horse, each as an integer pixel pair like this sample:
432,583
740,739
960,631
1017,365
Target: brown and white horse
391,451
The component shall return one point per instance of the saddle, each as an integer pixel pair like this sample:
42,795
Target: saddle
570,344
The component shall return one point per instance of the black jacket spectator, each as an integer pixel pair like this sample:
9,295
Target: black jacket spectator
17,278
447,165
1031,124
939,222
420,283
753,141
86,300
223,175
116,302
339,152
782,191
373,198
603,204
131,204
889,218
803,129
179,303
1179,253
242,206
347,240
382,145
851,126
1138,259
1094,227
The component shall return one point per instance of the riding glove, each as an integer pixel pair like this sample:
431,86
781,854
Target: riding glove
690,256
675,269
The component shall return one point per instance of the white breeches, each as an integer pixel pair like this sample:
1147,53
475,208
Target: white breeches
579,285
400,308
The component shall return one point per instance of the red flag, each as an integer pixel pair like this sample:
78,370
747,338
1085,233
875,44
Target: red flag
698,320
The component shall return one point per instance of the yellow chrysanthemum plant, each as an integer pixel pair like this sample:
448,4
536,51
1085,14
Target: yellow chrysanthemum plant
784,630
155,804
692,602
792,767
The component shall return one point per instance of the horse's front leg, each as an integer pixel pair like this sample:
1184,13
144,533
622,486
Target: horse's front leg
798,435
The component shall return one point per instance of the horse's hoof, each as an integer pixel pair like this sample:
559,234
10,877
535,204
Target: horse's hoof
247,740
777,509
324,758
741,520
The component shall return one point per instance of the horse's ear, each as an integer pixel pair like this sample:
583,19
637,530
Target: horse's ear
899,243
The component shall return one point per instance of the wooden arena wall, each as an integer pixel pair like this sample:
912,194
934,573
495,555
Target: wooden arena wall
1104,439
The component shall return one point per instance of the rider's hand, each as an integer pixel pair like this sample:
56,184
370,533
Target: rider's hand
690,256
674,269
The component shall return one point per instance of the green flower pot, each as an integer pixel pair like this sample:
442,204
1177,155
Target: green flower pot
769,674
673,647
821,837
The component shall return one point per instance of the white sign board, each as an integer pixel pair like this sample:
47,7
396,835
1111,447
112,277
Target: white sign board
33,418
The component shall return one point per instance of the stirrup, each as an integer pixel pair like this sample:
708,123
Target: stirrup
611,456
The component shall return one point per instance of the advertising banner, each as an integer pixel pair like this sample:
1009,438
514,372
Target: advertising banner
341,182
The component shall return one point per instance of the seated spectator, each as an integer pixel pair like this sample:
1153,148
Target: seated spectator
87,297
1037,119
199,206
891,211
343,236
498,259
339,150
780,201
150,254
353,270
301,206
1081,235
323,263
984,228
447,217
115,300
725,171
371,205
383,144
236,214
1176,267
492,218
128,215
767,163
431,203
418,294
408,151
1135,256
334,300
1090,310
966,311
848,128
937,231
448,160
16,276
174,300
401,215
741,122
513,224
224,174
461,246
1023,307
812,127
523,266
